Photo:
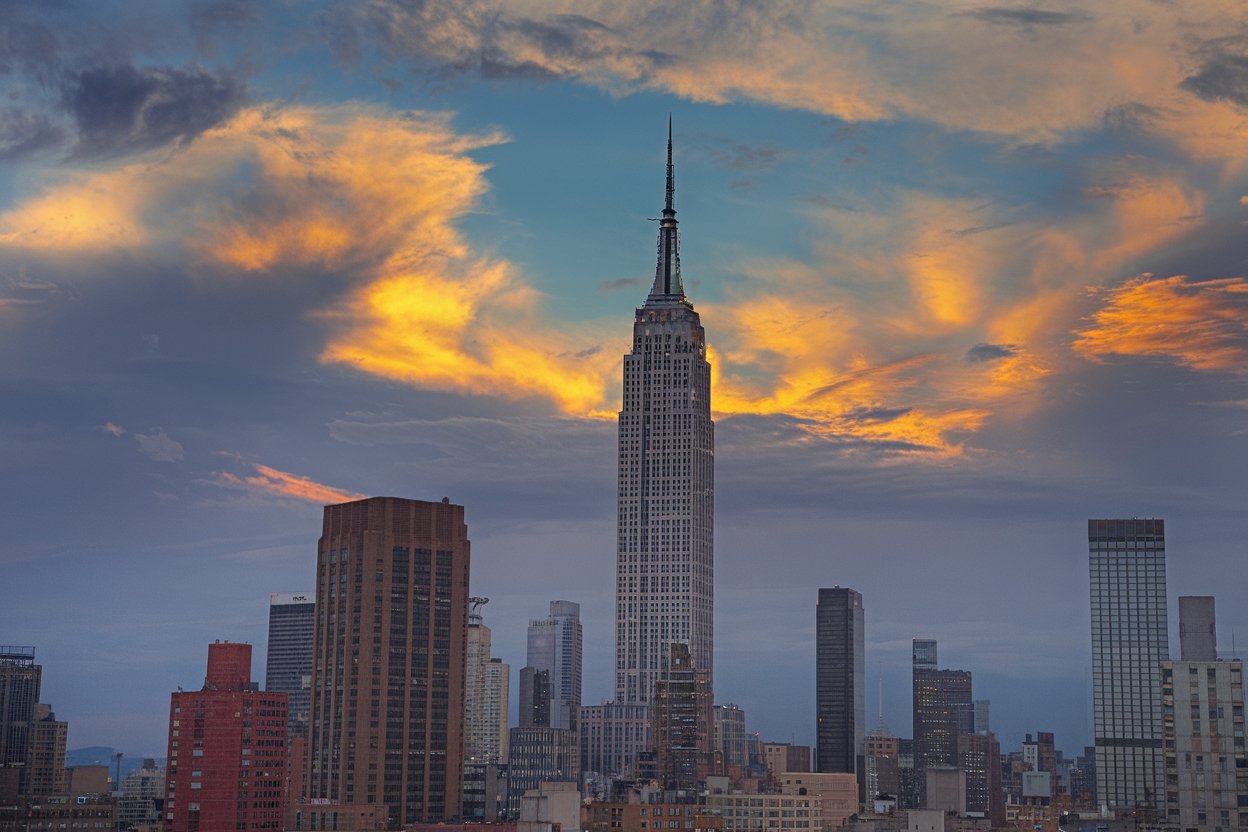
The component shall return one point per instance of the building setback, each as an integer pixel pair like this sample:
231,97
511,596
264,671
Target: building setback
1130,638
288,663
840,684
227,750
387,719
664,549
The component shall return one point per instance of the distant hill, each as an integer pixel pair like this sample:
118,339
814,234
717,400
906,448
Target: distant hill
102,755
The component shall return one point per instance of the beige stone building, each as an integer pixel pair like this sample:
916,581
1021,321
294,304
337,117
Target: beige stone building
837,793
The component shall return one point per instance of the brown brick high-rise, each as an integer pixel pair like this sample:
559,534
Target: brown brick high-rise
387,711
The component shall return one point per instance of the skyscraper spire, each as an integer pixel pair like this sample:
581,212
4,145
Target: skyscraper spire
670,205
667,282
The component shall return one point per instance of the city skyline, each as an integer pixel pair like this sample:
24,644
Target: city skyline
958,299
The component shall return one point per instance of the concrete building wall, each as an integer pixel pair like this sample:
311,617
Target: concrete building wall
1206,770
837,793
1198,629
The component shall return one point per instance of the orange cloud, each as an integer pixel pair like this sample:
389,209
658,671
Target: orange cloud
277,483
868,341
1198,324
91,211
470,327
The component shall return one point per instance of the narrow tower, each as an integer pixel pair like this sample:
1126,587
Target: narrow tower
1130,639
664,553
840,680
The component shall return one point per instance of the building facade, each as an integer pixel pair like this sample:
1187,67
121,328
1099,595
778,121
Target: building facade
766,812
19,694
840,680
684,724
47,754
142,797
1130,639
387,719
730,744
979,757
664,545
540,754
1206,769
227,750
880,749
555,646
288,664
612,737
836,793
487,688
943,709
1198,629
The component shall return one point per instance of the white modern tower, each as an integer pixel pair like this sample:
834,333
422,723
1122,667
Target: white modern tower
486,687
555,646
664,555
1130,639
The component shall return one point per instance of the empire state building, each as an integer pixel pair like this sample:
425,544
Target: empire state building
664,590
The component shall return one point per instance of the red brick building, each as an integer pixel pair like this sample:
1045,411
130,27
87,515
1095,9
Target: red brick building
227,750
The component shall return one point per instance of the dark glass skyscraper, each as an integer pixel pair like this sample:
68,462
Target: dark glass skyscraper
664,591
19,694
840,680
387,713
288,666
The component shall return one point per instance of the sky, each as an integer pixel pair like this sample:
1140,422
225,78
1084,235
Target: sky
971,273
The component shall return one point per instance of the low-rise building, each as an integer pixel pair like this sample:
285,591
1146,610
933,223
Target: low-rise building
766,812
837,793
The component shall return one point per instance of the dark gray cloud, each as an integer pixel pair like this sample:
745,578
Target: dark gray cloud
218,21
1131,117
225,15
619,283
23,133
1223,77
461,38
28,43
980,229
1029,18
124,109
990,352
741,156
